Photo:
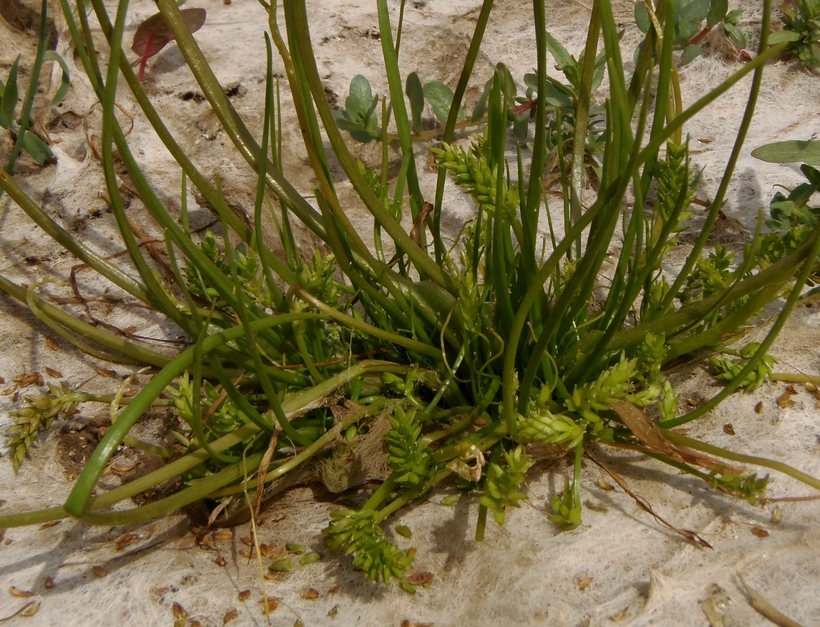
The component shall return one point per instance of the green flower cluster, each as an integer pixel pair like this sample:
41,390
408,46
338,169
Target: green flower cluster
471,171
359,533
501,483
411,459
36,417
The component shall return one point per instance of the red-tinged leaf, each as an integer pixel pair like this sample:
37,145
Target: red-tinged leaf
154,33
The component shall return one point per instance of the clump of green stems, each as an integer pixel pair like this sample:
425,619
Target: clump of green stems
473,347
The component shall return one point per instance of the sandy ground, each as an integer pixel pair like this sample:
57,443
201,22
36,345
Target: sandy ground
619,568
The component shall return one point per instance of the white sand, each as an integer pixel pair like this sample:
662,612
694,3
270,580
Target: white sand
526,573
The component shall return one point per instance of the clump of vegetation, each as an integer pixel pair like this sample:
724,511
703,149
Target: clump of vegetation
471,348
801,29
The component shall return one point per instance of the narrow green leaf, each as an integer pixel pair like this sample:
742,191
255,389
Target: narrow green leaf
415,94
791,151
66,78
10,96
37,148
481,105
560,54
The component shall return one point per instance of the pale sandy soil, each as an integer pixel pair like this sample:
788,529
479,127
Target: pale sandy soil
527,573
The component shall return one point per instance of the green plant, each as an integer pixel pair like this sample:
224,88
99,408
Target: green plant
791,219
690,29
801,29
486,340
20,127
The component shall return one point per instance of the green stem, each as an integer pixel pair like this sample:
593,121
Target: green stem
61,236
296,15
230,120
745,459
292,405
794,378
118,344
364,328
78,501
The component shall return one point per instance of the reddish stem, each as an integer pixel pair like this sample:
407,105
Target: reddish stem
147,54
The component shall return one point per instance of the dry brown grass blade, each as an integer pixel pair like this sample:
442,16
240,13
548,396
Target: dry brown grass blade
653,437
645,506
766,608
263,470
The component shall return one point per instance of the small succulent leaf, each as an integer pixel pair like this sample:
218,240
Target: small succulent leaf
733,17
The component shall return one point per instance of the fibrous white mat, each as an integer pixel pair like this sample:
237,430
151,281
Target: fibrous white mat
619,568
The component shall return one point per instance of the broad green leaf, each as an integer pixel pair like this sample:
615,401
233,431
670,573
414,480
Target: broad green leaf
440,97
598,74
9,103
688,20
790,151
66,79
717,11
415,94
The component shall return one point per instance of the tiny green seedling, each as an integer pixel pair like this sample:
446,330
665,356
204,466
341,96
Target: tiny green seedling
19,128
